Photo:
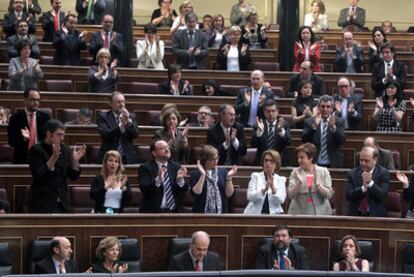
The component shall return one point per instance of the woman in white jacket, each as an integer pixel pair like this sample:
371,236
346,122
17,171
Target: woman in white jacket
267,190
150,51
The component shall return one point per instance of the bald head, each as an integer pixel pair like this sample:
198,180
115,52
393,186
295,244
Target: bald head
61,248
371,141
368,158
200,241
348,39
257,79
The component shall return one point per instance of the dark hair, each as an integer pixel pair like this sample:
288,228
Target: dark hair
173,68
189,16
299,37
85,112
27,92
325,98
387,45
160,2
54,243
22,44
353,238
52,125
279,227
309,149
166,114
212,83
150,29
399,95
378,29
207,15
215,17
268,103
301,85
113,94
69,15
207,152
275,157
223,107
20,21
154,142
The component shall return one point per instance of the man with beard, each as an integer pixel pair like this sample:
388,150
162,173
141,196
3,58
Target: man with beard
281,253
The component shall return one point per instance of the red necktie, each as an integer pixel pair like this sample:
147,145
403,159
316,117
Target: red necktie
197,266
56,21
106,43
32,131
351,25
363,205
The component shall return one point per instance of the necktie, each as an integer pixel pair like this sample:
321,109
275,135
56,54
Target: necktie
191,43
168,191
228,151
282,264
56,21
62,269
253,108
106,42
270,137
363,205
197,266
32,130
89,11
324,141
120,147
265,207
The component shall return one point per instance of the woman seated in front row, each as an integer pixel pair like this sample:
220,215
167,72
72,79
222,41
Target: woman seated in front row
350,251
107,254
211,186
233,55
110,189
175,85
267,191
104,76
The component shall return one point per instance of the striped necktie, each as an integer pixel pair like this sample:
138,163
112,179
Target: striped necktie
168,191
324,141
270,137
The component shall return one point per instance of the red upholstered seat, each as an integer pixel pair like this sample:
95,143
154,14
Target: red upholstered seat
397,159
69,115
139,88
230,90
267,66
278,91
195,154
80,202
58,85
188,202
92,153
248,159
393,204
133,205
6,154
143,153
238,200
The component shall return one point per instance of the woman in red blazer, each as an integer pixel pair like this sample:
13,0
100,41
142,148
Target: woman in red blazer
307,49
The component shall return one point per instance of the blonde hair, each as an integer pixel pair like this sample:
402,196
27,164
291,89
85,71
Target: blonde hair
185,3
120,170
106,244
103,51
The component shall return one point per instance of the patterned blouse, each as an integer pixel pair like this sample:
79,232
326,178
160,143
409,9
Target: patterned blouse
386,122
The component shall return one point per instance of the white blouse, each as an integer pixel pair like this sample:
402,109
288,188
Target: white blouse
113,198
233,59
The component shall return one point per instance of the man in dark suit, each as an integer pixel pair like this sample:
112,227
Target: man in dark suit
29,6
306,73
227,136
327,132
190,45
387,70
384,159
352,18
350,57
69,42
281,254
26,126
204,118
22,34
58,262
367,186
18,13
52,20
271,133
161,181
107,38
250,100
90,11
348,105
197,258
118,128
51,163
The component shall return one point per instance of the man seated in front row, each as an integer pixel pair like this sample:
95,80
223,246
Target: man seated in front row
367,186
197,258
306,73
59,259
281,253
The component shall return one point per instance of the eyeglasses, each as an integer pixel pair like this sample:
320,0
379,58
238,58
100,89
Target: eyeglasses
343,86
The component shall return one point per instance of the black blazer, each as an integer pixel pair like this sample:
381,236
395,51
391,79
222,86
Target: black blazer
183,262
400,71
260,39
98,267
181,45
318,88
98,11
341,59
111,136
49,186
335,140
48,25
116,46
244,60
165,88
409,193
68,48
280,143
97,193
46,266
34,9
244,111
20,146
152,195
353,119
296,254
10,23
376,194
100,85
14,40
216,137
200,199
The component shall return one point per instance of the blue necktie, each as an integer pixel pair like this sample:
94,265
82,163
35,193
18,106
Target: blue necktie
282,264
168,191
